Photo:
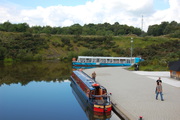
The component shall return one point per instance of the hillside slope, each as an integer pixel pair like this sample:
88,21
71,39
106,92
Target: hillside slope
157,51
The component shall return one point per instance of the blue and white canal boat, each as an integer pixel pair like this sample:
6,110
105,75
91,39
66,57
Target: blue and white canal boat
105,61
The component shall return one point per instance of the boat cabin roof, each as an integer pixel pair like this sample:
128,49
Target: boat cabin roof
96,57
86,79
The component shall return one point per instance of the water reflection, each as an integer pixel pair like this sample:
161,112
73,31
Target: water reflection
39,101
30,91
83,103
25,72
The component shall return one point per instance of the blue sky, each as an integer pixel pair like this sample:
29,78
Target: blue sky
161,4
46,3
158,4
69,12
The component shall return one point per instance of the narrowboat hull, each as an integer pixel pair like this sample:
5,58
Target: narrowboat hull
93,103
86,106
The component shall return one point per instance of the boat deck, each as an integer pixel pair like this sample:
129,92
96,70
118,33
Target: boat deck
133,95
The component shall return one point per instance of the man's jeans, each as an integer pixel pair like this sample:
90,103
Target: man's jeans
157,93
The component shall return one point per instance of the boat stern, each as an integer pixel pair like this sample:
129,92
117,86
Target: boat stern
102,108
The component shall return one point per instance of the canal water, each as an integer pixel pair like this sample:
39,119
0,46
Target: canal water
41,91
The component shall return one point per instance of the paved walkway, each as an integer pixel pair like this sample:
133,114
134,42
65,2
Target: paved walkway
133,93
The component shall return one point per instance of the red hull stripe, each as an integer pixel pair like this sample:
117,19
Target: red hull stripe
102,109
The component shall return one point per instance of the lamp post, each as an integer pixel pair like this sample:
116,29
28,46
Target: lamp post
131,49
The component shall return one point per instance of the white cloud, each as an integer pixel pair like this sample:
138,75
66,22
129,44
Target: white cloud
99,11
169,14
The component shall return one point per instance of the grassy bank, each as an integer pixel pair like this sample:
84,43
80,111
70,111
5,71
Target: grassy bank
157,51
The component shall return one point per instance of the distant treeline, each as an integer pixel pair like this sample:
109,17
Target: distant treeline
76,29
172,28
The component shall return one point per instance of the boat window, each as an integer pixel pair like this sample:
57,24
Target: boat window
128,61
95,60
122,60
103,60
109,60
116,61
82,60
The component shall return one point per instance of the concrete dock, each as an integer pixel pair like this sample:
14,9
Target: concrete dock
133,93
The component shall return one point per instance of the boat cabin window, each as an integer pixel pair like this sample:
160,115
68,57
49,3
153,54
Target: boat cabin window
122,60
109,61
116,61
82,60
87,60
94,60
103,60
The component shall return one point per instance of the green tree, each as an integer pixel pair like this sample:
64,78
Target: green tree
153,30
36,29
22,27
6,26
76,29
162,27
47,29
89,29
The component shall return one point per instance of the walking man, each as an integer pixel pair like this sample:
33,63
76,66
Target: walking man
94,75
159,91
